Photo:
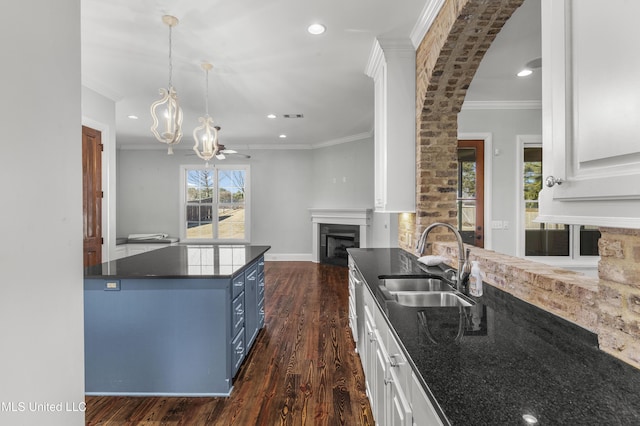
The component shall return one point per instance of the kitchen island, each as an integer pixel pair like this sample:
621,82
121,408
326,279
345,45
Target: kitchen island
174,321
513,364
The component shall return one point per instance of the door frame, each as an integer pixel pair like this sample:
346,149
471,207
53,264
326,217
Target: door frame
108,187
488,179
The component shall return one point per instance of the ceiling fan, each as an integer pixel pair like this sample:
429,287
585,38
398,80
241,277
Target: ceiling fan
221,152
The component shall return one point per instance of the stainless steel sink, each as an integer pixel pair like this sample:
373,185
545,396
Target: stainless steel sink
430,299
415,284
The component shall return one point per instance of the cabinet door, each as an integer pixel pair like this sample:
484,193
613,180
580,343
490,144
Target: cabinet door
251,304
591,131
398,407
368,357
379,388
424,414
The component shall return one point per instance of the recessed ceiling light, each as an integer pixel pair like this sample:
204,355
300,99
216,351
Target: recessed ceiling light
271,116
282,136
133,117
316,29
533,64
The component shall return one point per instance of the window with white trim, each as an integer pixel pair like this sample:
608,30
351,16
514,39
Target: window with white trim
214,203
548,240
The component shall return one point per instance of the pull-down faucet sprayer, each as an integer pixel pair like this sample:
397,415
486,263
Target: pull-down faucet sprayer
464,267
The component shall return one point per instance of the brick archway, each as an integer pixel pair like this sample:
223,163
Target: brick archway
446,61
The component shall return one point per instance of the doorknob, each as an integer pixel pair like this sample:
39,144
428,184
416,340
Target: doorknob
551,181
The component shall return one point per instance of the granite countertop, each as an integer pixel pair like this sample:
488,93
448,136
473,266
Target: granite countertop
181,261
514,359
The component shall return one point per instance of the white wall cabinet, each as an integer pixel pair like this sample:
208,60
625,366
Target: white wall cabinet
591,106
392,66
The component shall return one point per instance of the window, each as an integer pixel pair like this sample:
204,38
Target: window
214,204
549,239
470,193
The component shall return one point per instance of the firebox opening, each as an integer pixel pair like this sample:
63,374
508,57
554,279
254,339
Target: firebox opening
335,240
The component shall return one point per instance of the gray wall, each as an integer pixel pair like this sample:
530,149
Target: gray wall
41,303
504,126
343,175
284,185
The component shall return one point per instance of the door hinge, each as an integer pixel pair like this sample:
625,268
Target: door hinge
101,147
101,240
101,194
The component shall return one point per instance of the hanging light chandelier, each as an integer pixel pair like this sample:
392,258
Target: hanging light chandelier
206,134
166,112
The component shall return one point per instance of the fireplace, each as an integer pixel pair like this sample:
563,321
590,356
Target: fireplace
334,241
336,230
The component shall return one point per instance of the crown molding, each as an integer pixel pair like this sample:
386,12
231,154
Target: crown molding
428,15
156,146
471,105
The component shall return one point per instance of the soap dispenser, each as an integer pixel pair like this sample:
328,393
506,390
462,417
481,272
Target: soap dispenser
475,280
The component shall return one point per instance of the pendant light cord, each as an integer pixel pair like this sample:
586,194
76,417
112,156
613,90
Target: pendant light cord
206,93
170,59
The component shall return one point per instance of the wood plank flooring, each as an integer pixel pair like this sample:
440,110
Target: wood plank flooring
302,370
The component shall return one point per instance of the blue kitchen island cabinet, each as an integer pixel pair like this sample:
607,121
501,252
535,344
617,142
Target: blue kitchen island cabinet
177,321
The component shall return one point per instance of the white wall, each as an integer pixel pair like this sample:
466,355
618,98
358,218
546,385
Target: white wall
504,126
285,184
99,113
41,302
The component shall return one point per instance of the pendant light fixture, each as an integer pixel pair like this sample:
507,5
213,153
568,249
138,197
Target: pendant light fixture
166,112
206,134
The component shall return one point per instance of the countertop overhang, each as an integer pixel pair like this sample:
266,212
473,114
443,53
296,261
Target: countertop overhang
518,360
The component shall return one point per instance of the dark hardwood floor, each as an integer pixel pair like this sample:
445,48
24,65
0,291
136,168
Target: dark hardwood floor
302,370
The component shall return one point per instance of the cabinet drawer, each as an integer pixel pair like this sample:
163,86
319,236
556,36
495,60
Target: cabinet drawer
237,351
238,286
238,314
260,286
398,363
261,265
261,317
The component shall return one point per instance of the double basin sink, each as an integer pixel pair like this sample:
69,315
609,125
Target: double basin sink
423,292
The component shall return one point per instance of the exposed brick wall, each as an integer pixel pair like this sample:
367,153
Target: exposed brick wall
619,295
446,62
568,294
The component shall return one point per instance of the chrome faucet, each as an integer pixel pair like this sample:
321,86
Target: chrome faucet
464,267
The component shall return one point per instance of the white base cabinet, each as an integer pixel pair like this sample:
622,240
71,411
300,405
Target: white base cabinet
396,396
126,250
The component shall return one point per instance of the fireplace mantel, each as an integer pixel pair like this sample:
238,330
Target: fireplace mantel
360,217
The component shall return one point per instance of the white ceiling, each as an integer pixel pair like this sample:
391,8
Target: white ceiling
265,62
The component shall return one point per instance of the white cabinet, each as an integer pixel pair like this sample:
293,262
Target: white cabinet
591,130
120,252
423,412
125,250
392,67
386,369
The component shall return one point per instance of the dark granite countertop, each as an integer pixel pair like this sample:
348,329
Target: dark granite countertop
514,359
181,261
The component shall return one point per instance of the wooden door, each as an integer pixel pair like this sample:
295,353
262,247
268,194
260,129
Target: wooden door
92,195
470,197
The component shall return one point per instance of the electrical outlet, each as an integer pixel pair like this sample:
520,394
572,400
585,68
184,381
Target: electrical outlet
112,286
